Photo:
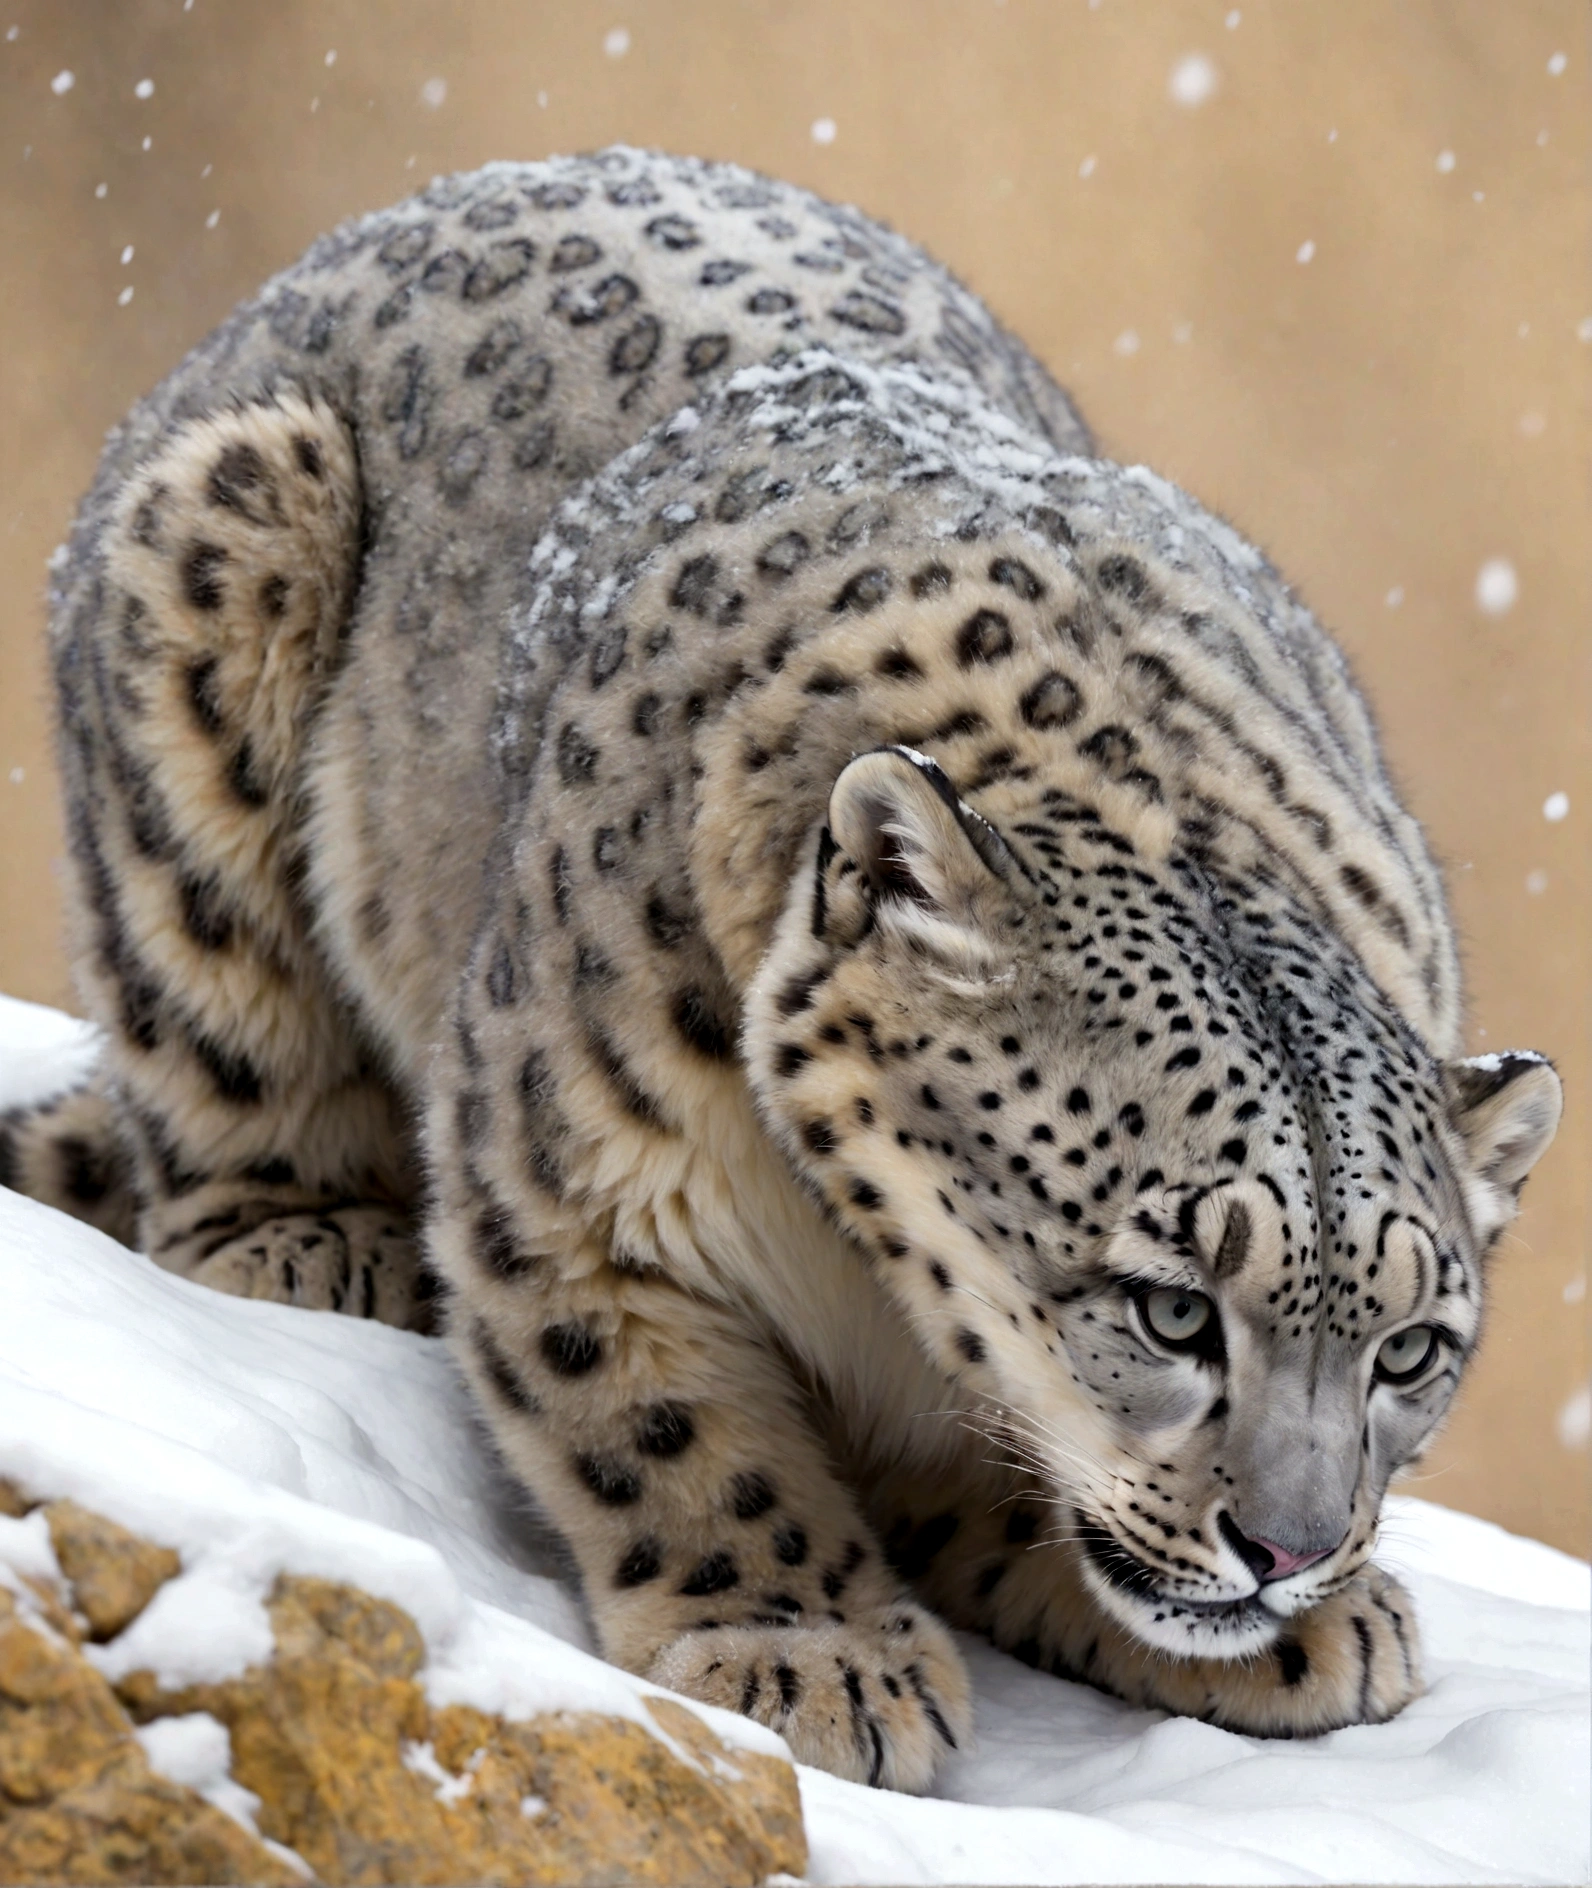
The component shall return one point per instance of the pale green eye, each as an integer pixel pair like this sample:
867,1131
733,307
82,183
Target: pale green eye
1406,1353
1176,1316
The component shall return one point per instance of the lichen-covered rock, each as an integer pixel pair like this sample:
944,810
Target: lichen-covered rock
78,1800
363,1779
114,1575
353,1768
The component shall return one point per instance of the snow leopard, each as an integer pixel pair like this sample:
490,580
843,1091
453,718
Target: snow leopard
641,797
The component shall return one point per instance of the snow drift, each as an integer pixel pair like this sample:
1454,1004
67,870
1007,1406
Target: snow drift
256,1438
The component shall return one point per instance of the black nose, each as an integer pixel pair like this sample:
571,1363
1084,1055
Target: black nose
1259,1560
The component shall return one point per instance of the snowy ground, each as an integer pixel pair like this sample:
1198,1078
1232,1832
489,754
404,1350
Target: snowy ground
254,1437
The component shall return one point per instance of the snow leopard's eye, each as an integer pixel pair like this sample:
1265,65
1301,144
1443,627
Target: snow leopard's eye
1405,1354
1175,1316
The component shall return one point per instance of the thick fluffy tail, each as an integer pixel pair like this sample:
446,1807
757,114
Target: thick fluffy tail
68,1153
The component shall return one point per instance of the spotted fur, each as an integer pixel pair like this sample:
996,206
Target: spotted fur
616,684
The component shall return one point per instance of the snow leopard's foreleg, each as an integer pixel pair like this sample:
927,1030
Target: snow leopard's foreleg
267,1154
719,1552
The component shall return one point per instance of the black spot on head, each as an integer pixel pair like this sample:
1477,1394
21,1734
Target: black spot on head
1078,1101
971,1345
665,1430
308,454
570,1349
790,1058
932,580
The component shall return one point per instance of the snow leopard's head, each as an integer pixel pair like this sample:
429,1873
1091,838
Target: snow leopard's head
1156,1171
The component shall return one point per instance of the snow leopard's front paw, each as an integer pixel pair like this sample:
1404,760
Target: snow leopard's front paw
1354,1659
356,1259
878,1701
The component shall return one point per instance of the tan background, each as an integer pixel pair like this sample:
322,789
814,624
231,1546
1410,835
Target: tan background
1385,416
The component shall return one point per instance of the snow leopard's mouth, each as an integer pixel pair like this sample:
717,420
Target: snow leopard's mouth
1136,1580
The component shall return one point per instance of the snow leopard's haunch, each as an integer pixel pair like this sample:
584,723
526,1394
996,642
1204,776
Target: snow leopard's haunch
616,735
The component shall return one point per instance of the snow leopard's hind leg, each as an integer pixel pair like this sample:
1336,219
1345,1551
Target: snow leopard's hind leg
268,1151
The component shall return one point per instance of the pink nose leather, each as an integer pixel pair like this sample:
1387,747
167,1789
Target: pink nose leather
1286,1563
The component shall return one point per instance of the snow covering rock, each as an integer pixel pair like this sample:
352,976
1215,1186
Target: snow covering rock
257,1440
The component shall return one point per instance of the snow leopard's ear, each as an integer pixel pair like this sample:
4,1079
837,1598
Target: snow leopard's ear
930,866
1506,1108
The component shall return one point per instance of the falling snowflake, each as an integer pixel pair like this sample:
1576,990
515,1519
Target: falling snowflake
1305,251
433,93
1556,64
145,88
125,297
1536,883
1556,807
1394,597
1127,342
127,255
1575,1420
1446,161
62,83
823,131
1087,167
616,43
1193,79
1497,586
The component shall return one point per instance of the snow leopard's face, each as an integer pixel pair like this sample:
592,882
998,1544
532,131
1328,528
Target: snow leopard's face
1204,1245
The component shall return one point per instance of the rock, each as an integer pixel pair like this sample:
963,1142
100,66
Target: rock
114,1574
353,1768
78,1800
362,1778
